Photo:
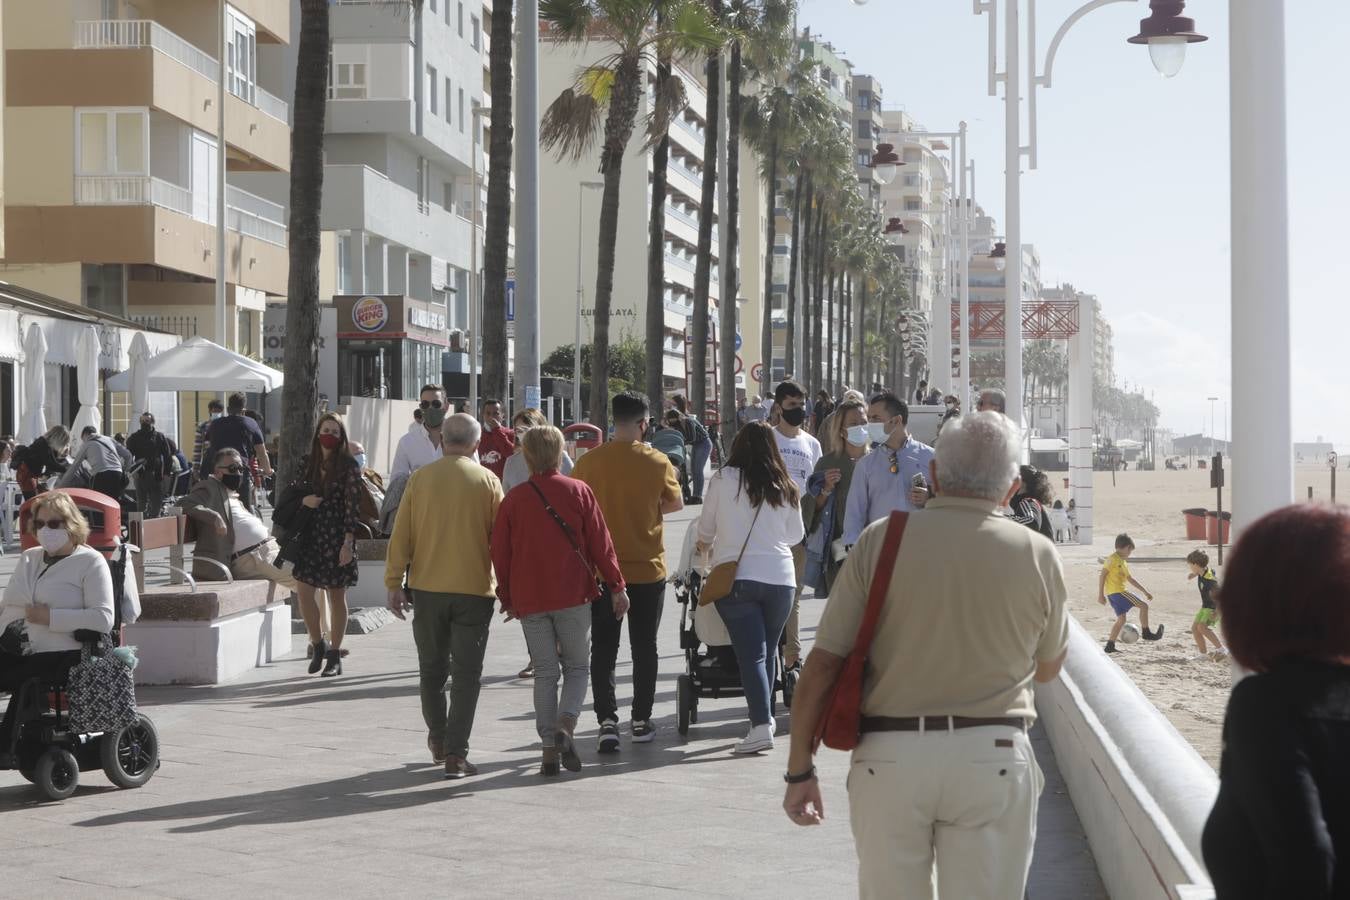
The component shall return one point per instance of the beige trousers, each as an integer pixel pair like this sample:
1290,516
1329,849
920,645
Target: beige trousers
257,563
792,641
944,813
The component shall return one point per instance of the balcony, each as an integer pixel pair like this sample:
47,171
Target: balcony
685,218
245,213
358,198
133,34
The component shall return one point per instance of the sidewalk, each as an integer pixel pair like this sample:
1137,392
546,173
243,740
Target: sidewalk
285,784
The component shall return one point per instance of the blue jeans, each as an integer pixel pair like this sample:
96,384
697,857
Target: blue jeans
755,614
702,450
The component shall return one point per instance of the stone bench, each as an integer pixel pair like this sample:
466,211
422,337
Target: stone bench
207,632
369,590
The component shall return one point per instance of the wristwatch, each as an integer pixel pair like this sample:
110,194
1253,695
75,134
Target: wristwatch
806,776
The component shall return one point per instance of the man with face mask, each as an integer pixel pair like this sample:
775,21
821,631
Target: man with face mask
885,480
227,532
421,445
152,452
214,410
800,452
498,442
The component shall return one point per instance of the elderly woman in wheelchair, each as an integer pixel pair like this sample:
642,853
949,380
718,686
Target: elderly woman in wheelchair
71,704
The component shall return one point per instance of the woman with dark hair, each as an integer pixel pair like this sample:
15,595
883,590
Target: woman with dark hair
1281,824
1029,503
327,559
40,459
752,517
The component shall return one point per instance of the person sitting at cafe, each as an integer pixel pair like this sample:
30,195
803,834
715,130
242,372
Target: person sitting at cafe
227,531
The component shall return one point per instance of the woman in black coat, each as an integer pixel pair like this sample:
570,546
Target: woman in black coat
1281,824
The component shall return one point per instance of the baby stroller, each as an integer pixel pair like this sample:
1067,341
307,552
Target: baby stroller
710,662
43,744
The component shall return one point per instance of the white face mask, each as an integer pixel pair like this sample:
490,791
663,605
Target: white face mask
876,432
52,539
857,435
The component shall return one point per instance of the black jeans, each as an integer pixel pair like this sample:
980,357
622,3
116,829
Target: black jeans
644,618
109,483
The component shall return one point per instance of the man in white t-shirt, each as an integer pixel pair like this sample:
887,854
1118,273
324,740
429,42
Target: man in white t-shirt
800,452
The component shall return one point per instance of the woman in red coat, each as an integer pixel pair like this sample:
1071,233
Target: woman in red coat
556,519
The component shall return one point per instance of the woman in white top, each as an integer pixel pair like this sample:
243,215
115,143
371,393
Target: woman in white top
58,588
753,504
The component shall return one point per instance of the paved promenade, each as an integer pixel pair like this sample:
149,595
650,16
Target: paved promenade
287,785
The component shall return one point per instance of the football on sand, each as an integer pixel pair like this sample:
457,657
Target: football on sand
1129,634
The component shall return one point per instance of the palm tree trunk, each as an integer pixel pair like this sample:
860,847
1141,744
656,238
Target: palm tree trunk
846,336
822,235
623,108
656,251
808,257
861,323
300,362
770,235
830,307
794,255
728,305
698,348
497,228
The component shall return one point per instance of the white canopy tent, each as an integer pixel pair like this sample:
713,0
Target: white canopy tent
89,348
140,359
199,365
34,423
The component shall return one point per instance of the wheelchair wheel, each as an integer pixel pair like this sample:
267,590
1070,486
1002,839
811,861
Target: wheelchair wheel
684,702
29,775
57,774
131,756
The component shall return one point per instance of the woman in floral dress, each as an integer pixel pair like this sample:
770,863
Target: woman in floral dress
328,557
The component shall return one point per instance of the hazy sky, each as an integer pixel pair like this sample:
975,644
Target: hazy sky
1131,196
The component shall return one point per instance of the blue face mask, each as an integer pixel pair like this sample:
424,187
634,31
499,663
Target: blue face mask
857,435
360,460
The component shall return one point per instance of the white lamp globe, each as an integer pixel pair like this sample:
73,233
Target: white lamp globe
1168,53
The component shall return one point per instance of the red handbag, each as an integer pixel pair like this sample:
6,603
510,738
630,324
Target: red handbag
840,725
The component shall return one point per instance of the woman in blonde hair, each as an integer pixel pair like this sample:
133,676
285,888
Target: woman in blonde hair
556,518
59,587
827,491
517,471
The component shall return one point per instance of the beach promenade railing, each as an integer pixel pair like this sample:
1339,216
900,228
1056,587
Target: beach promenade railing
1141,791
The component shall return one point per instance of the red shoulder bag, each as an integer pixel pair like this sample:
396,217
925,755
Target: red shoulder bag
841,723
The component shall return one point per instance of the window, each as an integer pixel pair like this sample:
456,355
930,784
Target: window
112,142
461,19
449,188
473,28
447,13
104,287
447,101
423,178
461,108
865,130
432,4
432,86
242,55
912,204
347,67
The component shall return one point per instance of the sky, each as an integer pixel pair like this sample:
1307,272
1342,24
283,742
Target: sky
1130,199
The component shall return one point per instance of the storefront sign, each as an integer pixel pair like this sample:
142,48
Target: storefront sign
370,314
430,319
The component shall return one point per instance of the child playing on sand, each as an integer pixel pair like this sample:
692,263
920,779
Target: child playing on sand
1208,618
1111,586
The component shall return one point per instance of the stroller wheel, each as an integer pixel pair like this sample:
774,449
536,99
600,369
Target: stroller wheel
684,702
130,756
57,774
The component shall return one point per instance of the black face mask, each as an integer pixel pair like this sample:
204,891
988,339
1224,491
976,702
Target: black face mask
146,426
795,417
234,481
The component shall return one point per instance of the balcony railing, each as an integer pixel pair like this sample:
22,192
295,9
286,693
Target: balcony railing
682,216
245,213
124,34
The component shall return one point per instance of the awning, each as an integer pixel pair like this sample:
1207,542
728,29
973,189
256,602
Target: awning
199,365
63,323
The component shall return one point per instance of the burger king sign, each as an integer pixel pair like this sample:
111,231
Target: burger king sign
370,314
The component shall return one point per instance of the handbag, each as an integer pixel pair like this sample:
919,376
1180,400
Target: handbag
102,691
719,582
841,722
567,531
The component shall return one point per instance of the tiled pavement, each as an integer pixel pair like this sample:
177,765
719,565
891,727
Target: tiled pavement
283,784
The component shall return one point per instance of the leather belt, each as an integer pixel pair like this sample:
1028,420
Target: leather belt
247,550
873,724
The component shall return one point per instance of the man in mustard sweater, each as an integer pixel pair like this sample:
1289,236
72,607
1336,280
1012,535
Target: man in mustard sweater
440,549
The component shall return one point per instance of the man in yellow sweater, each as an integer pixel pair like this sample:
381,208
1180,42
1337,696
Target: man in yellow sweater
440,550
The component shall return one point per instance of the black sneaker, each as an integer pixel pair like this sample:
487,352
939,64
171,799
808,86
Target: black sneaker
1154,635
694,501
643,731
1111,647
609,737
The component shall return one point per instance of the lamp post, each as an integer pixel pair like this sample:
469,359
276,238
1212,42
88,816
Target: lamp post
475,281
1212,401
582,187
526,147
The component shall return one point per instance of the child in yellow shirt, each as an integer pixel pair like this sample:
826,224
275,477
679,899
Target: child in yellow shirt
1115,576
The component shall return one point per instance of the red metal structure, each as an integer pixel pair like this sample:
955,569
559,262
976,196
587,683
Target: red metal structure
1043,320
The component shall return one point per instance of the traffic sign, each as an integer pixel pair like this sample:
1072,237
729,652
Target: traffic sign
756,372
739,365
738,342
511,298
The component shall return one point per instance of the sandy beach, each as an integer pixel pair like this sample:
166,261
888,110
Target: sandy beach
1147,505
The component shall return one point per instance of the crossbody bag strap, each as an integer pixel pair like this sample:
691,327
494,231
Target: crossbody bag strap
751,531
566,529
881,581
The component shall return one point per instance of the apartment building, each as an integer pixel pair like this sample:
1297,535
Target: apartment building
868,126
835,74
399,143
570,216
111,157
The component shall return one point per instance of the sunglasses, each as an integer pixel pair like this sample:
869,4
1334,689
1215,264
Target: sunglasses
430,404
232,470
895,463
49,523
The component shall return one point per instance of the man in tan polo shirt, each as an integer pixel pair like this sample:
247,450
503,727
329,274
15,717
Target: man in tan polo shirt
944,784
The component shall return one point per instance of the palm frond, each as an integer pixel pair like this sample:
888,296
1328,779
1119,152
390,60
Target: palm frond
571,124
571,19
671,99
597,82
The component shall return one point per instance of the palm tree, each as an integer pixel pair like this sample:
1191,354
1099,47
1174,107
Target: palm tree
605,101
497,227
300,363
667,92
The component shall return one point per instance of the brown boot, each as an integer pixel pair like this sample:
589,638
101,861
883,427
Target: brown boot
567,748
549,766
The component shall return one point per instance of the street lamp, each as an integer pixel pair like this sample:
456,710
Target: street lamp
885,161
1000,256
582,187
894,227
1167,32
475,282
1212,401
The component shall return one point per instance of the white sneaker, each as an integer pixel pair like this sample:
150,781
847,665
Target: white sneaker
758,740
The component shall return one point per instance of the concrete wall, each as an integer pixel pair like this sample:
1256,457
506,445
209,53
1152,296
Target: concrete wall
40,143
378,424
1141,791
